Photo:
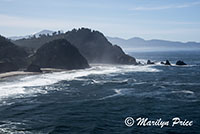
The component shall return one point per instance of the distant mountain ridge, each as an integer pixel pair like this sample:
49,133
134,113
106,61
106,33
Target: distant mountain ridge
139,44
132,44
44,32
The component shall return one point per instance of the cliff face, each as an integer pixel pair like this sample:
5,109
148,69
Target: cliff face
12,57
59,54
92,45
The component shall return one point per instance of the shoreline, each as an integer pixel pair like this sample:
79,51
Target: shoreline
17,73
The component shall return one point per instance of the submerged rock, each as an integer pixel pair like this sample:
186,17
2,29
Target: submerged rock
180,63
149,62
167,63
33,68
59,54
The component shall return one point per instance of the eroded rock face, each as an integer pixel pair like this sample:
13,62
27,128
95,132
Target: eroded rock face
180,63
59,54
33,68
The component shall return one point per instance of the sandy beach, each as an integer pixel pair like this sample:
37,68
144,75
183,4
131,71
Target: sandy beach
15,73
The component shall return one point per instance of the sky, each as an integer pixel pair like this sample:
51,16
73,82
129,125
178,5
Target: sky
175,20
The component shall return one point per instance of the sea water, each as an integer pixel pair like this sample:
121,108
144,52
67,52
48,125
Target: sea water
97,100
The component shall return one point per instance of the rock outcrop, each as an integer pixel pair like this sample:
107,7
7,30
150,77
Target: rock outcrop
180,63
167,63
59,54
149,62
162,62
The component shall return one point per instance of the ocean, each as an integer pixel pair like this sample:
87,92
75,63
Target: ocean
99,99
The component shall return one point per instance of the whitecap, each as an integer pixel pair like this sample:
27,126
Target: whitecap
9,127
181,84
110,81
184,91
118,92
142,61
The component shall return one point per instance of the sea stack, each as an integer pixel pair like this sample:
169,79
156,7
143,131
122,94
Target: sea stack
167,63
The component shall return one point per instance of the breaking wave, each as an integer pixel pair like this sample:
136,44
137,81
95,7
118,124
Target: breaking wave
19,87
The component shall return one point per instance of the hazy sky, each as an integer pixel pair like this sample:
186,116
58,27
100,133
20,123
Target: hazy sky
159,19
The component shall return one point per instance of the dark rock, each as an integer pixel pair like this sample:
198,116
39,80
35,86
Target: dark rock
180,63
93,45
167,63
125,59
33,68
162,62
7,67
59,54
149,62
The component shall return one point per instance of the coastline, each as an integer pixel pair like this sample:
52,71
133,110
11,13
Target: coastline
17,73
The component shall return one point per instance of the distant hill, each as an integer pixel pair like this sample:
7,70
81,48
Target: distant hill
43,32
139,44
93,45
